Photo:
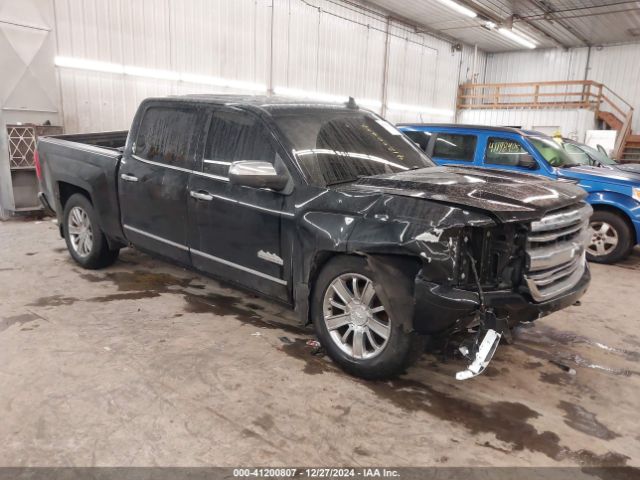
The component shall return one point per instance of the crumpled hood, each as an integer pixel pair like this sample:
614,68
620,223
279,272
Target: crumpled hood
508,196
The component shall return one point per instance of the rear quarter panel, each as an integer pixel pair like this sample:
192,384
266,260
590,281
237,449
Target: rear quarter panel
92,169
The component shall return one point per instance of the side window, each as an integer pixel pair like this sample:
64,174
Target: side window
235,136
455,147
420,138
165,136
576,154
504,151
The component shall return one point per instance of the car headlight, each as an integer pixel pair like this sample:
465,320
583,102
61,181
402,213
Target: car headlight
635,193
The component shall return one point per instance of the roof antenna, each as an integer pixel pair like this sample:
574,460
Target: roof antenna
352,103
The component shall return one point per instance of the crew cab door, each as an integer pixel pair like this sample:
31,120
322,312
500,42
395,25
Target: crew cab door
507,153
152,180
235,231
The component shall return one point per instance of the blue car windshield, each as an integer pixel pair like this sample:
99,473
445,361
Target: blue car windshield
553,153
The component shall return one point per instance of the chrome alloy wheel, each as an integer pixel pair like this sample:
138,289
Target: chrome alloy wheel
603,239
355,317
80,231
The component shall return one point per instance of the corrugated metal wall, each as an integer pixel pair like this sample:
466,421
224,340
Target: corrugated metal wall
618,67
536,66
318,45
570,123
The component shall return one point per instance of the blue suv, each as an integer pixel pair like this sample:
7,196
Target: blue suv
614,194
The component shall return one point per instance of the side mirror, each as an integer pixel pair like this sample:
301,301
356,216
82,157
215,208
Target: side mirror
527,161
257,174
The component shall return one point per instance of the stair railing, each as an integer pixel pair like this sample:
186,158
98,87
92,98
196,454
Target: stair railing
573,94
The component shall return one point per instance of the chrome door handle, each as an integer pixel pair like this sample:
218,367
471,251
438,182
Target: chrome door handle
201,195
128,178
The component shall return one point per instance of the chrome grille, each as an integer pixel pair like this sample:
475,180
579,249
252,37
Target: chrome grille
556,251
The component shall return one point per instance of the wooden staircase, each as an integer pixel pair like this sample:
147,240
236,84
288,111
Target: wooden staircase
610,110
630,149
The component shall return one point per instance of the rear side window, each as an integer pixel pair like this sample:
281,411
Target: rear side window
455,147
503,151
420,138
235,136
165,136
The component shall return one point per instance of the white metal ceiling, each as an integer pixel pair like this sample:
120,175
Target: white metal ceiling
551,23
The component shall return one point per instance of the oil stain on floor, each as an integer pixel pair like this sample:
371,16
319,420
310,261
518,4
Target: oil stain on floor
508,421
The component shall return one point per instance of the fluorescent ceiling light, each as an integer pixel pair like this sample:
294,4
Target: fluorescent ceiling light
324,97
421,109
459,8
130,70
517,38
92,65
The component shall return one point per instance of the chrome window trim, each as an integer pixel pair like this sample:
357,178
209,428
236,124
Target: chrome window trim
180,169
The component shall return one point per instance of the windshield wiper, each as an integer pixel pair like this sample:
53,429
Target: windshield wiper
345,181
570,165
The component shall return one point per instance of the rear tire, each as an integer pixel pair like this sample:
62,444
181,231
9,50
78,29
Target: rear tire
368,355
611,238
86,243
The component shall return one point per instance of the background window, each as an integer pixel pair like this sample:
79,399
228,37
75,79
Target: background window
502,151
577,155
421,138
236,136
165,136
455,147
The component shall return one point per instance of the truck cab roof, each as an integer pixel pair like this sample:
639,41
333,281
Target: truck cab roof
260,102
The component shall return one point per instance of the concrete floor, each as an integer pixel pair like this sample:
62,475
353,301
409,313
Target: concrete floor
148,364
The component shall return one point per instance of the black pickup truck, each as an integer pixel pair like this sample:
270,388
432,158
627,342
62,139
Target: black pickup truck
331,210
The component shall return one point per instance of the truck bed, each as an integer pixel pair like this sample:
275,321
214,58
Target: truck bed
109,140
86,163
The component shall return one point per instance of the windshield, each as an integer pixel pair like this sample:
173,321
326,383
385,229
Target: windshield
596,155
337,145
553,153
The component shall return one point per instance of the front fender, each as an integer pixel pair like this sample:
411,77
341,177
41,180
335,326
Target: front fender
620,201
624,203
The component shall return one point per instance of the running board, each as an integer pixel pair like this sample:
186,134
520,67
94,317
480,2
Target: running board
483,355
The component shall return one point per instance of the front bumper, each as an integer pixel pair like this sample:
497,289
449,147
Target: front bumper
441,310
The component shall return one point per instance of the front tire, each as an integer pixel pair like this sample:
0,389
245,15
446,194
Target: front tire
85,241
611,238
354,326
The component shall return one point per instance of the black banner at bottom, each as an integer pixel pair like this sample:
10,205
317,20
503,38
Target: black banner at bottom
404,473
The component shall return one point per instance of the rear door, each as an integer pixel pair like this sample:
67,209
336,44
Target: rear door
235,231
446,148
153,179
454,148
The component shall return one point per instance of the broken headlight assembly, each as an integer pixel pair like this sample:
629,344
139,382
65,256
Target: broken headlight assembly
498,254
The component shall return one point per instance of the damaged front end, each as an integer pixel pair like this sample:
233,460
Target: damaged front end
476,281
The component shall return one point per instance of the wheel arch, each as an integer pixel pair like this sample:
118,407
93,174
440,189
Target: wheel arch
395,274
616,210
65,191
